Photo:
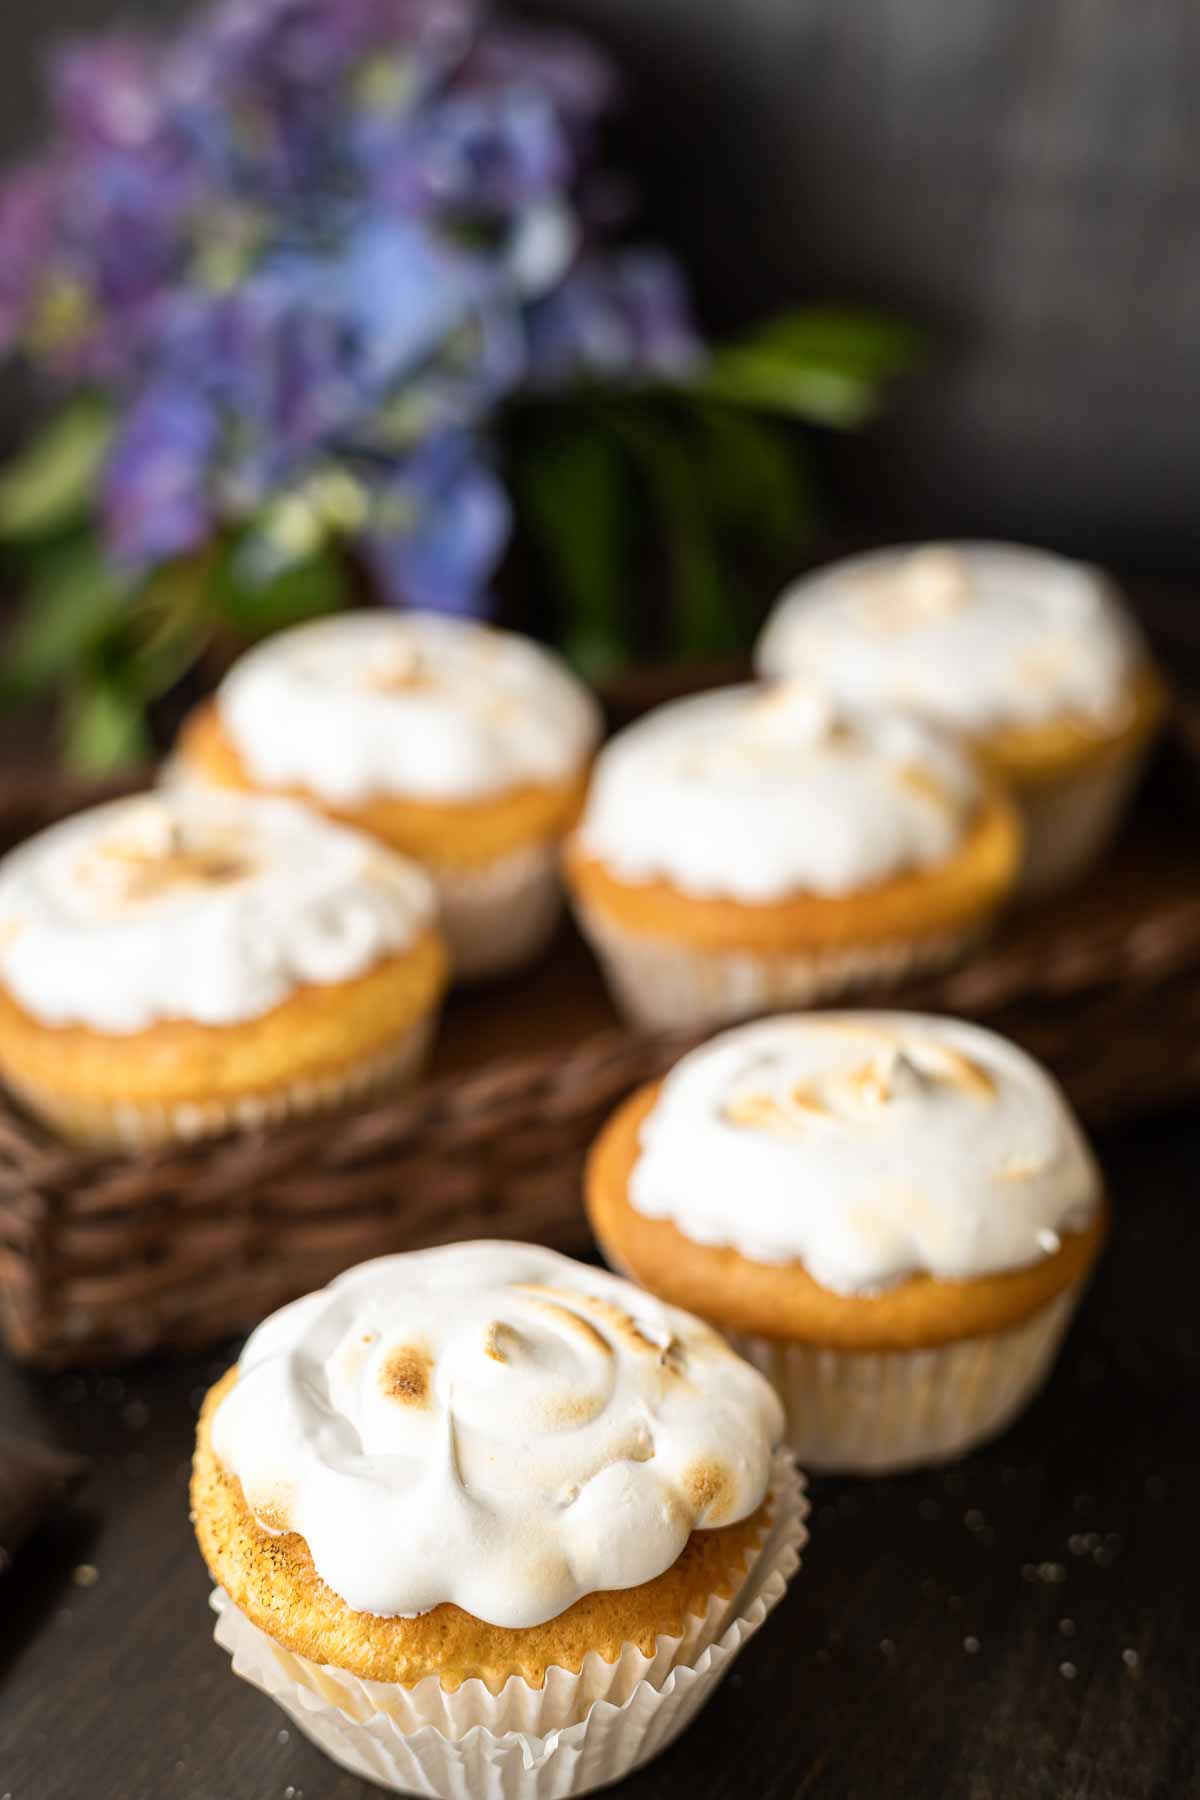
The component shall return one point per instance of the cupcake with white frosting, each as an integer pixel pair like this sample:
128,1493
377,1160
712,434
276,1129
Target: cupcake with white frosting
1030,656
486,1521
177,965
893,1215
462,747
755,848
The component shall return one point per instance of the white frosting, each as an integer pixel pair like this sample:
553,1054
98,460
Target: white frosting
209,907
756,793
494,1425
405,703
974,635
866,1146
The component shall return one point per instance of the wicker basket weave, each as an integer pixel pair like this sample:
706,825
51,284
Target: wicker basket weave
105,1256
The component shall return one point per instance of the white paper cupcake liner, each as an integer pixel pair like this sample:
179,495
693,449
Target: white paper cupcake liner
500,916
877,1413
1070,823
576,1733
139,1125
659,985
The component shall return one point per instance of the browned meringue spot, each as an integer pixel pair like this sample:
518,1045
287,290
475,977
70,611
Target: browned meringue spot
551,1302
494,1336
925,785
870,1082
1044,664
406,1376
956,1069
709,1487
273,1507
623,1325
404,671
758,1112
144,875
568,1411
673,1357
1019,1168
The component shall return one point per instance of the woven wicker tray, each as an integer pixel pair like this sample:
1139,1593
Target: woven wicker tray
105,1256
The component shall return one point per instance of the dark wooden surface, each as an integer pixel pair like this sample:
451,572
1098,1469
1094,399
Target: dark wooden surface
1024,1626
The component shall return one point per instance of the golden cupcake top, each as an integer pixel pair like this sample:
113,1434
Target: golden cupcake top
757,793
492,1425
413,704
207,907
979,636
867,1146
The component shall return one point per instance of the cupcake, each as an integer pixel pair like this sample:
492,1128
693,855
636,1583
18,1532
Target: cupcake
1031,657
756,848
485,1521
893,1215
462,747
180,964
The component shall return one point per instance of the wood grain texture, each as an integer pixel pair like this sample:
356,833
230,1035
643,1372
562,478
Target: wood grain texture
863,1684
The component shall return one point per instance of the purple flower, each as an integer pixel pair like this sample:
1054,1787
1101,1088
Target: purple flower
572,75
27,223
156,498
104,93
625,316
439,528
312,233
473,155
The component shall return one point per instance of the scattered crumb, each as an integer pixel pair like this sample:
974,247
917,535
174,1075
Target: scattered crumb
971,1646
85,1575
1068,1671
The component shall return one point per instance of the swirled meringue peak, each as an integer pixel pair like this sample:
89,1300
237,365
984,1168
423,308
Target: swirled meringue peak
868,1146
975,635
414,704
756,793
187,904
494,1425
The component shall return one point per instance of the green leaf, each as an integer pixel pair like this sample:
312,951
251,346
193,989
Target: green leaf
256,604
51,485
570,487
74,602
671,479
870,344
754,475
104,726
173,620
824,367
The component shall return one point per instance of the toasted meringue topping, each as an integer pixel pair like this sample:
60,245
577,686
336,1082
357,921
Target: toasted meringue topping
976,636
759,793
867,1146
409,704
187,905
514,1431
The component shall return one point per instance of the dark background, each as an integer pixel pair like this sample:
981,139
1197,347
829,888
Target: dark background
1020,177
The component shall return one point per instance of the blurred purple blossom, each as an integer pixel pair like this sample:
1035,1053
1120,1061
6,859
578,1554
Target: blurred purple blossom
626,310
310,229
440,526
156,496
